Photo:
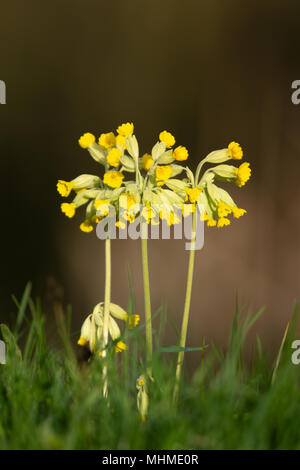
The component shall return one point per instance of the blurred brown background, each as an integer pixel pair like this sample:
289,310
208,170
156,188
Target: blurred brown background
210,72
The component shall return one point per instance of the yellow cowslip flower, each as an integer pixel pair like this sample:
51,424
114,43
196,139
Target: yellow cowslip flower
235,151
86,226
130,218
140,381
68,209
113,179
64,187
148,213
224,209
132,321
121,141
78,191
126,129
147,161
169,216
113,157
187,209
87,333
222,222
107,140
237,213
102,206
211,223
180,153
86,140
172,219
243,174
120,224
82,341
126,201
193,194
120,346
167,138
203,217
163,173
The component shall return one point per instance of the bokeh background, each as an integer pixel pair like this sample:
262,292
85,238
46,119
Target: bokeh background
208,71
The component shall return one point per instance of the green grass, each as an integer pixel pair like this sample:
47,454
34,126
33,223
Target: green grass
49,400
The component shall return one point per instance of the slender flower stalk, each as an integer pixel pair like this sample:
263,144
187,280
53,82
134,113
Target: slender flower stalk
107,295
147,300
186,312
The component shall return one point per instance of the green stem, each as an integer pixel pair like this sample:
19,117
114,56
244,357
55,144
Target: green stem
147,301
186,313
199,167
106,308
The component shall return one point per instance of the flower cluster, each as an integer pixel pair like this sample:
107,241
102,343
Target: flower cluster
92,327
152,192
155,182
215,202
156,187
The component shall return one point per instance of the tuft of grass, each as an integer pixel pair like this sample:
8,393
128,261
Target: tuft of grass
50,400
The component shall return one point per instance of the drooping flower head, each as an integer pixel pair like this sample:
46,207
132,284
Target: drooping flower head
216,203
92,327
153,183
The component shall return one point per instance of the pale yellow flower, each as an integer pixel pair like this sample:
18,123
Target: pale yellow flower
113,157
193,194
180,153
68,209
243,174
120,347
102,206
121,141
237,212
211,223
86,140
107,140
126,129
222,222
167,138
64,187
113,179
86,226
235,151
147,161
163,173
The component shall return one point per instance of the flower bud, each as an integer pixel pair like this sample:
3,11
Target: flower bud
85,181
158,150
218,156
132,146
97,153
118,312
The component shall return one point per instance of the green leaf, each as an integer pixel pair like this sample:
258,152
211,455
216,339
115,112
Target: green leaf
22,307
